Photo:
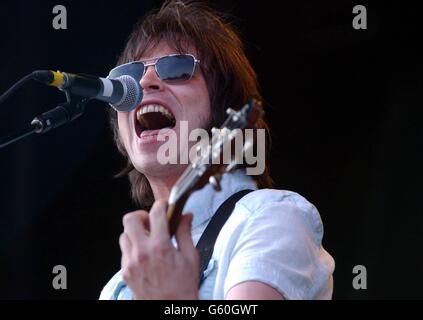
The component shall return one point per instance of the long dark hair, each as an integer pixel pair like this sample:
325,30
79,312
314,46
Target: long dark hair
230,78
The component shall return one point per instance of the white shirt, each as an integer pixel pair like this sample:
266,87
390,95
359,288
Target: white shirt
272,236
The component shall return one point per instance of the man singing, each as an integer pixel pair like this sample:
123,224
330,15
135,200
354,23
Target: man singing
191,66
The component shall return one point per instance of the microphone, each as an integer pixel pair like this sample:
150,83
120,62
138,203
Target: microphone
123,93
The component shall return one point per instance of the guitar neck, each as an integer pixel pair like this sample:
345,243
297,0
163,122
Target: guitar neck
194,178
174,213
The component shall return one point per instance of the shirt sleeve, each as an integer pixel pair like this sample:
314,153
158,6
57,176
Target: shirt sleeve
116,289
280,245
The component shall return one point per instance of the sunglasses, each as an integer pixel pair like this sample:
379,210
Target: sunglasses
171,68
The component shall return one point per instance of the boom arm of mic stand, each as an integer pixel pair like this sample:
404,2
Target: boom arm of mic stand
16,136
58,116
62,114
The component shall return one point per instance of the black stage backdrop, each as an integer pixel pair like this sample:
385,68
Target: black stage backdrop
344,105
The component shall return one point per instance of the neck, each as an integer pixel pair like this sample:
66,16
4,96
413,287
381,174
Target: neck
162,185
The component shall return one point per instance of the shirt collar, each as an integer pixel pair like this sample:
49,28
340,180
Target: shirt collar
204,203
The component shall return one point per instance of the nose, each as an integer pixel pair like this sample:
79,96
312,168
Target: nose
150,81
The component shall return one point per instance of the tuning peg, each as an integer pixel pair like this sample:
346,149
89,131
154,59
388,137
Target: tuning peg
215,182
231,166
233,113
230,111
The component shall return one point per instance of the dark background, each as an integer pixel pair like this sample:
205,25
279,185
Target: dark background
344,105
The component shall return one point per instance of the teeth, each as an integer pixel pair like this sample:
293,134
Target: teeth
153,108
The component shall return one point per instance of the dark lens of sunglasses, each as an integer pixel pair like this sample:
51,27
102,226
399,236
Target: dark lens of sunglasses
175,68
134,69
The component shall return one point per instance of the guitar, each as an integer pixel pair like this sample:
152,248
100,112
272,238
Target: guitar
208,167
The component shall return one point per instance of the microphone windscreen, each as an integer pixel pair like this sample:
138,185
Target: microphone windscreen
132,94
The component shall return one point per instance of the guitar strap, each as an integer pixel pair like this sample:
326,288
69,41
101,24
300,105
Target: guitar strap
206,243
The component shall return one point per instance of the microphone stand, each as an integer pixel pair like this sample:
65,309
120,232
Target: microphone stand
66,112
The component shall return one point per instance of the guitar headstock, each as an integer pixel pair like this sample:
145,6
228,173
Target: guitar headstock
246,117
216,158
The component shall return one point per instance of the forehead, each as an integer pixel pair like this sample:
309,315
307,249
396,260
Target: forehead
163,48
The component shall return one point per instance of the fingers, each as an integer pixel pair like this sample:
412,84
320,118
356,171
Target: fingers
158,221
184,239
136,226
125,247
139,225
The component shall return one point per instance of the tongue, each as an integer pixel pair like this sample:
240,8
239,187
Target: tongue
155,121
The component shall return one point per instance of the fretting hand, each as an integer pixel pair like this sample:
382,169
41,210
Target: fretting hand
151,266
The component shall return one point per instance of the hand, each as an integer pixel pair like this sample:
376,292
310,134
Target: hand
151,266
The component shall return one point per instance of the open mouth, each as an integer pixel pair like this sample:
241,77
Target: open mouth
153,117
